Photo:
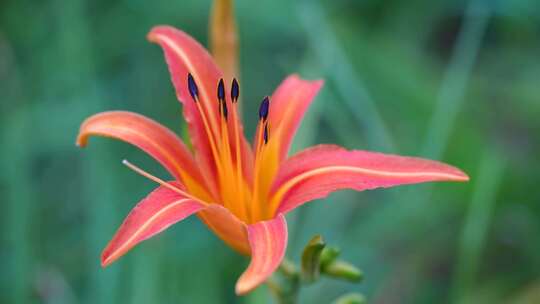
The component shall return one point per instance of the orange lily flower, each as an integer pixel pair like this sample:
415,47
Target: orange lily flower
240,191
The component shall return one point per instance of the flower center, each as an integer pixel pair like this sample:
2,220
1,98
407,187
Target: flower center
236,191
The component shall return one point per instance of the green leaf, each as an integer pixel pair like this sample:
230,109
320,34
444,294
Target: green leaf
311,259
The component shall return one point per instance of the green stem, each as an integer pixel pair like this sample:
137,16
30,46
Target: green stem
285,284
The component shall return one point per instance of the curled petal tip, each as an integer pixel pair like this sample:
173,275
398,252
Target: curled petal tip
454,174
104,264
152,35
268,242
462,176
82,137
80,142
243,288
106,259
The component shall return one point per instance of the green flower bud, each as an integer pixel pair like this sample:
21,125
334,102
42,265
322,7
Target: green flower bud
328,255
343,270
351,298
311,259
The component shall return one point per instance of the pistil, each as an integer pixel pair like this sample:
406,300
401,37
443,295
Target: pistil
160,181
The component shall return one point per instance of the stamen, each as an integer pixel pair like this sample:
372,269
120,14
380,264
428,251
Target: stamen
224,148
260,142
192,88
263,109
212,137
235,91
239,175
158,180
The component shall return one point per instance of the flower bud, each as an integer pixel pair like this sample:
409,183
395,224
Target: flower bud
343,270
351,298
311,259
328,255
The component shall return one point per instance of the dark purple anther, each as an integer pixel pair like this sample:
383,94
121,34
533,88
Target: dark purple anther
235,90
263,109
192,87
221,90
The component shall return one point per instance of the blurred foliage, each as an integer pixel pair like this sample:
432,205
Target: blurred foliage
457,81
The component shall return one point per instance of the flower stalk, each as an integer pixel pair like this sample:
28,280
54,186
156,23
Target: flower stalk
317,259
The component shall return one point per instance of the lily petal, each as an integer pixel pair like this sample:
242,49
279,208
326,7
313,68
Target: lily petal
153,138
159,210
185,55
227,227
320,170
268,241
289,103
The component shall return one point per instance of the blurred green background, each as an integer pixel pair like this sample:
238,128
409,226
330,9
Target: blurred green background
456,81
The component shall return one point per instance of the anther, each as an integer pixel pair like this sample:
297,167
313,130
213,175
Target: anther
221,90
221,99
263,109
192,87
235,90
